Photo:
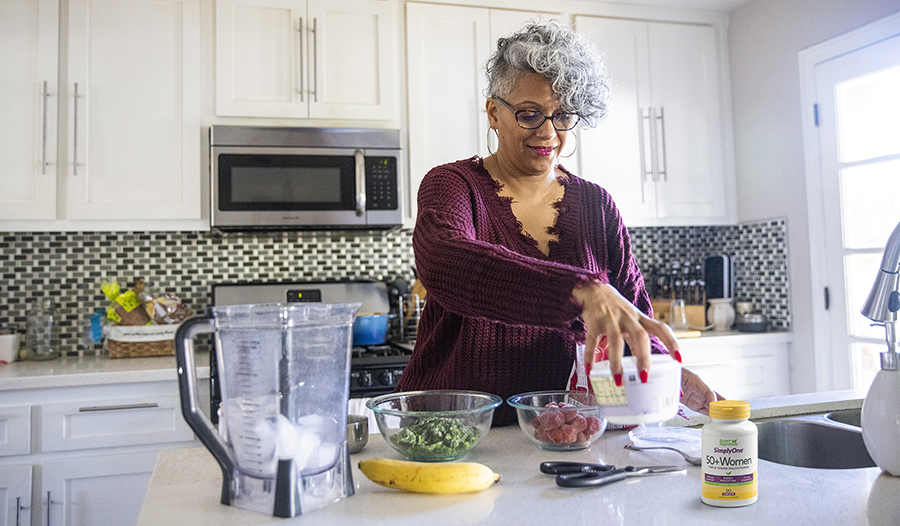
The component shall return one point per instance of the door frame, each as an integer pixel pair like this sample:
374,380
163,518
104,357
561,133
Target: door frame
827,377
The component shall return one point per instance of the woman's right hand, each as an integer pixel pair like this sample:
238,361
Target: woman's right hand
606,312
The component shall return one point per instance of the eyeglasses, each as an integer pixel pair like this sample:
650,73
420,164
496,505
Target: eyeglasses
532,119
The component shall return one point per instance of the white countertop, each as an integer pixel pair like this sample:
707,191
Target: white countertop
790,405
736,337
186,486
92,370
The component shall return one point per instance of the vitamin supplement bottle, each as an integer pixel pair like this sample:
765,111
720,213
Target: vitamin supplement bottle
729,455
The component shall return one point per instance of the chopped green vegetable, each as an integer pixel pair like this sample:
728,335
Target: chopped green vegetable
436,438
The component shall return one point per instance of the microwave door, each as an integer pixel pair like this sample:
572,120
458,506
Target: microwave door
287,187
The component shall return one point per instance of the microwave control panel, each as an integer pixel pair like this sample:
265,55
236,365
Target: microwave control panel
381,183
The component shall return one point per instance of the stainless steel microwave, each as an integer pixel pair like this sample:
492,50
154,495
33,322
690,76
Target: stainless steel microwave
304,178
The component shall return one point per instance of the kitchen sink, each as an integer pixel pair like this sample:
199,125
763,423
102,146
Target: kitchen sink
829,441
851,417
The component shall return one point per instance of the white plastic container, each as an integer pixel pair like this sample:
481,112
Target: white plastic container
730,456
636,402
9,347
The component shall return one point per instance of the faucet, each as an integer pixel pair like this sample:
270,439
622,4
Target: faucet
883,302
880,415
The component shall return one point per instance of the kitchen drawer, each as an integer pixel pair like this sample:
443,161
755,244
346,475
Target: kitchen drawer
15,430
112,423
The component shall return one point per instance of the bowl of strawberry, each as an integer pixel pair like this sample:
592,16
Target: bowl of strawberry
559,420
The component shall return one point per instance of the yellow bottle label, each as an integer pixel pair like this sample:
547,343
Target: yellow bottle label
718,487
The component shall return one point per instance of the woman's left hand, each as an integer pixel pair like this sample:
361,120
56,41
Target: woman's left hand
695,394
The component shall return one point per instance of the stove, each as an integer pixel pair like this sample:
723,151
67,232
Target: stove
374,369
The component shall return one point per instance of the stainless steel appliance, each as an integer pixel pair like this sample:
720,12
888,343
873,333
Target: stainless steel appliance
374,369
304,178
719,276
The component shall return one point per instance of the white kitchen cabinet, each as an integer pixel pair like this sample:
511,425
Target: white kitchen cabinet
447,117
89,424
740,366
96,489
15,495
661,150
15,430
28,105
92,448
123,118
316,59
133,102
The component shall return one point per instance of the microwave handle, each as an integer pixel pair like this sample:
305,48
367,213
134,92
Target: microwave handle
360,182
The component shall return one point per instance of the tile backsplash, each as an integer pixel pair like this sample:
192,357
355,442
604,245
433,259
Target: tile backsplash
70,266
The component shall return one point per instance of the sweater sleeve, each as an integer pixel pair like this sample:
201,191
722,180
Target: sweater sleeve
624,273
476,278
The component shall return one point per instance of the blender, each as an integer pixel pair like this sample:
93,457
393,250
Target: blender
284,372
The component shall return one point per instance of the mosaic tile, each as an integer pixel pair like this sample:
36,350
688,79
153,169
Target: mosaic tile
70,267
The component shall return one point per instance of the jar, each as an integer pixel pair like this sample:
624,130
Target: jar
720,314
730,455
42,331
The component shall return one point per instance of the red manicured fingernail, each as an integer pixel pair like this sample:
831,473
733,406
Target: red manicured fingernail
618,378
677,356
644,375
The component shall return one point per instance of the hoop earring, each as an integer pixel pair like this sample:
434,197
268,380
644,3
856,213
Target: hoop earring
573,149
489,138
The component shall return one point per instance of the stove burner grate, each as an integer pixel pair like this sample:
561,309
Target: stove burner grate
370,351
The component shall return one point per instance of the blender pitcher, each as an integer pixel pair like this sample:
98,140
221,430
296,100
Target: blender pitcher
284,373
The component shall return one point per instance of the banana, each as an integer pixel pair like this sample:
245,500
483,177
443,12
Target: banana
426,477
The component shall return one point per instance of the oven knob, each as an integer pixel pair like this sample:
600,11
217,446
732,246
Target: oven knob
385,378
364,380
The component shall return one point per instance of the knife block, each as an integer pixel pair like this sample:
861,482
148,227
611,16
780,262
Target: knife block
696,314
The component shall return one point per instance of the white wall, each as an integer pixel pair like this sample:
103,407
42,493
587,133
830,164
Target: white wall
764,37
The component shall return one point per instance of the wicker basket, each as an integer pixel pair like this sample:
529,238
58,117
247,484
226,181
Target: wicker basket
141,341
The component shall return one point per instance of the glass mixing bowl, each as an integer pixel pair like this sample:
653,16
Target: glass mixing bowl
434,426
559,420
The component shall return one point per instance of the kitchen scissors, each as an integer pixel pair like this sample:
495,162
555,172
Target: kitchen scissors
585,475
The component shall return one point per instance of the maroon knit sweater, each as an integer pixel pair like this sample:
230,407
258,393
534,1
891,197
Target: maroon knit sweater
499,316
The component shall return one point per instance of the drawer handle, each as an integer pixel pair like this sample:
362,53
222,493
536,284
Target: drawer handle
75,133
19,509
662,135
315,75
94,409
643,151
44,96
300,72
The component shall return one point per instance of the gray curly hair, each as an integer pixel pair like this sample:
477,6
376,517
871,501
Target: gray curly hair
572,64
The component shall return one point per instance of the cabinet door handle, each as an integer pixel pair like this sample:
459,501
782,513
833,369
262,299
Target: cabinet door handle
93,409
44,96
18,509
315,42
360,182
300,72
661,118
49,507
75,133
646,166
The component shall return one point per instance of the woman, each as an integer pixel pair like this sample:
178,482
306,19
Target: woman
522,260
